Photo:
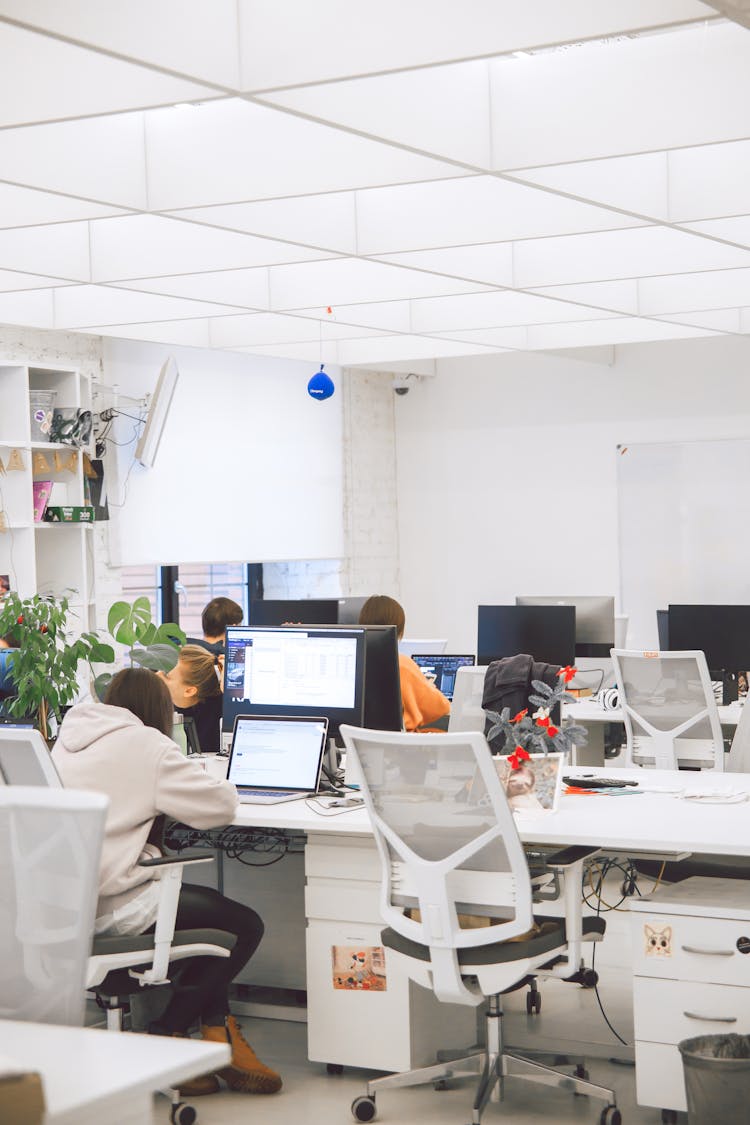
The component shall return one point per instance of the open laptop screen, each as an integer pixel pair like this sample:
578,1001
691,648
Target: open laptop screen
277,753
444,668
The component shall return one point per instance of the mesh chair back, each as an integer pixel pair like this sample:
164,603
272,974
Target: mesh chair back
467,712
450,852
670,714
739,754
50,846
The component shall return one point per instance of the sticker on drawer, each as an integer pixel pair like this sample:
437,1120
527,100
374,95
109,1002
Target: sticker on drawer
658,943
359,968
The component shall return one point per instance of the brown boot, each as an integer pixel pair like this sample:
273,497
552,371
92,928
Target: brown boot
246,1072
197,1087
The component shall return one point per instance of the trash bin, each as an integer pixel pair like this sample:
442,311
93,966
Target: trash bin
717,1079
41,407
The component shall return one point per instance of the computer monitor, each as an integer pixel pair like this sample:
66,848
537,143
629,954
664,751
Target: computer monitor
662,629
595,619
350,608
722,632
383,709
546,632
285,611
298,670
444,667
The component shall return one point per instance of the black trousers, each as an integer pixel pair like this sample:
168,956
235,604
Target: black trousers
201,984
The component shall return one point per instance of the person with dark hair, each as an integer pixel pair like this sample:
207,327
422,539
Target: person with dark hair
425,706
219,613
195,690
122,748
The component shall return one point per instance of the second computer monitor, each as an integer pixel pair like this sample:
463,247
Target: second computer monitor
306,670
546,632
285,611
595,619
444,668
722,632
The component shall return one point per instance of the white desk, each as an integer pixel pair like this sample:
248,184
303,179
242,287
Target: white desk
91,1076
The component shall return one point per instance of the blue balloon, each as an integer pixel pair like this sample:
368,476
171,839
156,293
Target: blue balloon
321,385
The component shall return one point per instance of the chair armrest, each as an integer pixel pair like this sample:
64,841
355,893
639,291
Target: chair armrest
567,857
167,860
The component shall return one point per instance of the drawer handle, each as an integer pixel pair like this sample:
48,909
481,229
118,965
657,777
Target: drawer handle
707,952
710,1019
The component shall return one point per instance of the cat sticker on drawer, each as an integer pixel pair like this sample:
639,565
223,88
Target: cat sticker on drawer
657,943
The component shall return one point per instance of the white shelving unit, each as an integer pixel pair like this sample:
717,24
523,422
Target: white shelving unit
40,557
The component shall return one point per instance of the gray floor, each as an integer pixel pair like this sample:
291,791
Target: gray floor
313,1097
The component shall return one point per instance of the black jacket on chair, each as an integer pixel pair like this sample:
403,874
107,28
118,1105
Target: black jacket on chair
507,683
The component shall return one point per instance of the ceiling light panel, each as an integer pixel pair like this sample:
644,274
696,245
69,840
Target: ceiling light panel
637,95
617,331
68,81
485,310
735,230
710,181
718,289
351,280
97,159
389,316
492,263
60,250
265,328
247,289
616,296
718,320
190,333
478,209
21,207
88,306
327,221
619,254
405,347
17,282
637,184
286,43
35,309
191,37
148,245
231,151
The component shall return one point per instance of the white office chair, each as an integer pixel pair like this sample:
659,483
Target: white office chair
739,753
467,712
450,852
25,758
669,711
50,847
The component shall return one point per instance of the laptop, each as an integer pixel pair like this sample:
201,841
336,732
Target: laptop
276,758
443,667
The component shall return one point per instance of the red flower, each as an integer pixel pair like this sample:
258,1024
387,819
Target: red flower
518,755
517,718
543,721
552,731
42,628
19,619
567,673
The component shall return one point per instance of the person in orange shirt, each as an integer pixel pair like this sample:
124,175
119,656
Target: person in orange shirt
425,707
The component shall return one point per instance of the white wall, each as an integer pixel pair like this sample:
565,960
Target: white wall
507,468
249,467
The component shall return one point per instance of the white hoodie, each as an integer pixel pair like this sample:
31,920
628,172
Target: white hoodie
109,750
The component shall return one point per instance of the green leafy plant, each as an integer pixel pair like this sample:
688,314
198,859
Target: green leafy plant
149,646
44,663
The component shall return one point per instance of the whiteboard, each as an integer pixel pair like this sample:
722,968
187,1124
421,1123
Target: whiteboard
683,529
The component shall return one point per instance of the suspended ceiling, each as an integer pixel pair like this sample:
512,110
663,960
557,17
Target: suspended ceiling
376,183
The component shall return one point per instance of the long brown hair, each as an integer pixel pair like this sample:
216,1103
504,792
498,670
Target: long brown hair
382,610
199,671
146,695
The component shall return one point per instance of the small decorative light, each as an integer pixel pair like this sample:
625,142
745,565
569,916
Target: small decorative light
321,385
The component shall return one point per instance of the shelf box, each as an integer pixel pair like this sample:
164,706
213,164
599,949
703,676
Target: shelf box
70,514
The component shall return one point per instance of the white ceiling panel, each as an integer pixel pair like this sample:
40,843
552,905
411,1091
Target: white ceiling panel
99,158
23,207
627,96
616,254
492,263
169,34
709,181
287,44
478,209
328,221
60,250
388,316
247,289
149,245
308,352
735,230
270,328
484,310
720,320
617,296
638,184
17,282
87,306
350,280
405,347
35,308
718,289
503,338
191,333
76,82
443,110
614,331
250,152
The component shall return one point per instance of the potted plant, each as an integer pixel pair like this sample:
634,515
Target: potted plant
148,645
45,660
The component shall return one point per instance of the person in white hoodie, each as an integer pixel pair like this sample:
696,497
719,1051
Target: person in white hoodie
122,748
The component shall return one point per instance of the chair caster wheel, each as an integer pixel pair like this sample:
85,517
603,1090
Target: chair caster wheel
589,978
441,1084
669,1116
183,1114
533,1002
610,1116
363,1109
334,1068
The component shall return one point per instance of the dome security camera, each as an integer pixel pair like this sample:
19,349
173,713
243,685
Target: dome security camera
402,384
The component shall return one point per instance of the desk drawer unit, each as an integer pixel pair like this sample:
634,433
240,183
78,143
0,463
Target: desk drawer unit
362,1010
692,977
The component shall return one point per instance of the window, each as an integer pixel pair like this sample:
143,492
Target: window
179,593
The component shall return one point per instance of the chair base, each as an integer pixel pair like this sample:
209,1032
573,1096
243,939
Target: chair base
493,1065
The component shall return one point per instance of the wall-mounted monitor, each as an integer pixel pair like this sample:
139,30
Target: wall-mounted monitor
546,632
595,619
305,670
158,411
